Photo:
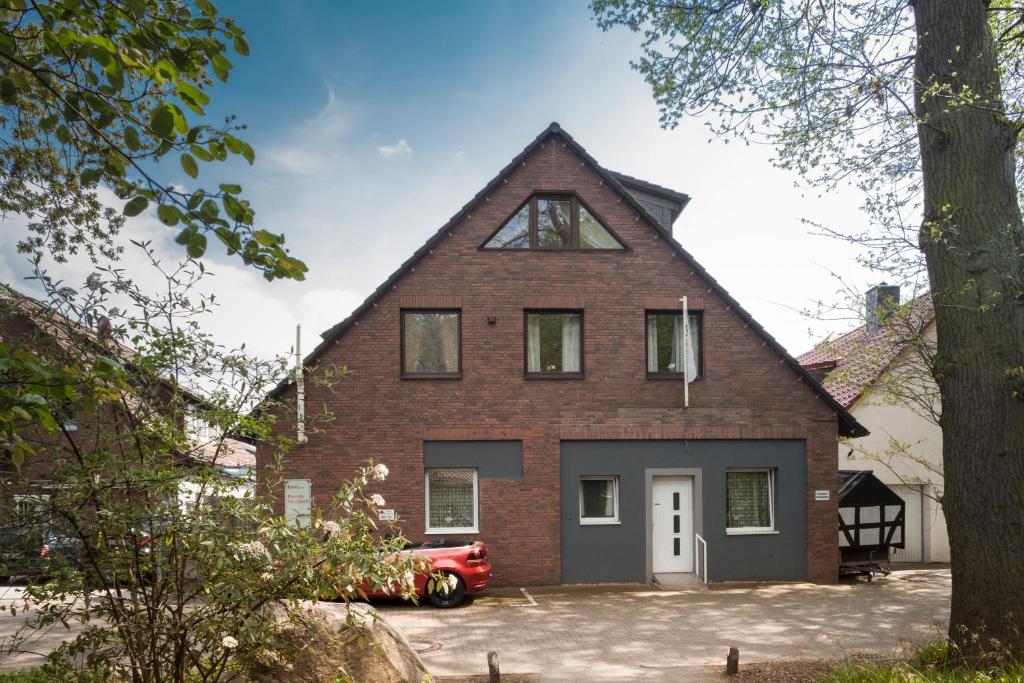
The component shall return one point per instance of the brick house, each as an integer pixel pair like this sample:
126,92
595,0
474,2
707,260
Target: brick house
520,376
27,324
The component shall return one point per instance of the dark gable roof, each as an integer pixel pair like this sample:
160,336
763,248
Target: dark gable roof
848,425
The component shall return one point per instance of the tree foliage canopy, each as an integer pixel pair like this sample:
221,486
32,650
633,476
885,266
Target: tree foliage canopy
97,93
830,84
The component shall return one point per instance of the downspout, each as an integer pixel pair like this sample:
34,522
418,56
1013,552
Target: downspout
300,390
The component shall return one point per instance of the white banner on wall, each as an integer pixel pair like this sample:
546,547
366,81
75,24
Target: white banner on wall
298,502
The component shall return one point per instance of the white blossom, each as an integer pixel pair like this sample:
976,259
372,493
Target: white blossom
453,581
229,643
409,579
377,500
331,527
266,577
380,471
253,549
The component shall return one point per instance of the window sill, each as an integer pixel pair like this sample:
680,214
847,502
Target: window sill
449,532
671,375
751,532
418,376
554,375
599,522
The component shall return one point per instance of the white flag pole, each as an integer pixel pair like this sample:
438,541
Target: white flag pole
686,380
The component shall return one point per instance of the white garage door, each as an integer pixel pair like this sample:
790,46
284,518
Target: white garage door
912,550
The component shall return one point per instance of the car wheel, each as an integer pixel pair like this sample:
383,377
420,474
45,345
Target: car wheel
442,593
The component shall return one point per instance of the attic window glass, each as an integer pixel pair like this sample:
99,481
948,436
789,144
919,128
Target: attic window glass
515,234
593,235
555,221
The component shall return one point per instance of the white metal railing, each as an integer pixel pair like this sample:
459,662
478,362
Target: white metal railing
702,557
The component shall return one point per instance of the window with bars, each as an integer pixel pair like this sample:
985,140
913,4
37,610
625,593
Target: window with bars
750,501
452,501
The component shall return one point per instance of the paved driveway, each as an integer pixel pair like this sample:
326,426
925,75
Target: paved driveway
641,634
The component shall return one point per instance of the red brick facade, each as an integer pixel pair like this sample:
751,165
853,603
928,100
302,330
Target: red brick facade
748,391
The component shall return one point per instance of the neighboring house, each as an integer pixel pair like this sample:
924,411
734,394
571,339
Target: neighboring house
23,493
520,376
877,372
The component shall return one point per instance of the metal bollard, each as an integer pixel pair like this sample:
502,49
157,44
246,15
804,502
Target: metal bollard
492,667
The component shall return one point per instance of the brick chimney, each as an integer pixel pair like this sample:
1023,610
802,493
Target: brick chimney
879,302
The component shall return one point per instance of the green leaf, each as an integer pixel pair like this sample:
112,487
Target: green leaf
8,91
131,138
241,47
169,214
221,66
233,208
136,206
189,165
162,121
193,93
230,187
196,245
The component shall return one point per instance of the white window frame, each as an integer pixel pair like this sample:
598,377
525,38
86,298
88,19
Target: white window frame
588,521
40,501
753,530
475,529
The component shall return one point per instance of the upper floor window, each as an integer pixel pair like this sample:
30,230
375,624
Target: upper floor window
431,345
666,344
554,221
554,343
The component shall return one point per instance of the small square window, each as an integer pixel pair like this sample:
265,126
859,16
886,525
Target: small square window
452,501
750,501
431,343
599,500
554,343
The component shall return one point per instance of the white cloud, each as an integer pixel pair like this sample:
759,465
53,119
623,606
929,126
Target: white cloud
311,147
398,149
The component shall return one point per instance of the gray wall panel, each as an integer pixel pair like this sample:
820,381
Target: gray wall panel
619,553
494,459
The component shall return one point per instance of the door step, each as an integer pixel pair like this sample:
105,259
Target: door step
679,581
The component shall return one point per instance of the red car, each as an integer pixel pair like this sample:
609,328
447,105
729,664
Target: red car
462,564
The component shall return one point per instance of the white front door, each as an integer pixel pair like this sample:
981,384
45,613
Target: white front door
672,532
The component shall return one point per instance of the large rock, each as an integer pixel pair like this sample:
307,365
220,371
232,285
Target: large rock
332,642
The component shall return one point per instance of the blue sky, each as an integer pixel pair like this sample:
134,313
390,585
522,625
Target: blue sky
373,123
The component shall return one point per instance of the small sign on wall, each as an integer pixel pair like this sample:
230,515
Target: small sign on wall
821,494
387,515
298,502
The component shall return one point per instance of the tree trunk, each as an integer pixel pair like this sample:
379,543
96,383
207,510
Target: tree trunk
973,241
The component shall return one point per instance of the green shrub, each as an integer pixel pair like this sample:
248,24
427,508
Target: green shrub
932,663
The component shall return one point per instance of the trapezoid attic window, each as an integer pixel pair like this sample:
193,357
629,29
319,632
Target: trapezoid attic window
553,222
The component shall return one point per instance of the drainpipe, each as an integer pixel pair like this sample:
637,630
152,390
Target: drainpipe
300,390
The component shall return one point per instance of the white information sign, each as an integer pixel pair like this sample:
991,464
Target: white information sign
298,502
821,494
387,515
